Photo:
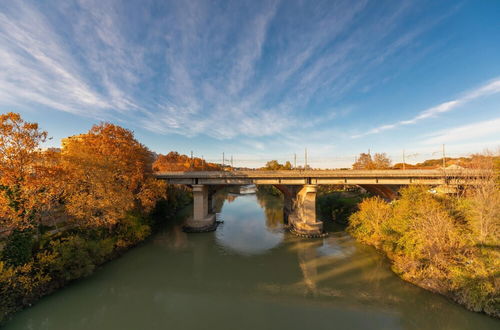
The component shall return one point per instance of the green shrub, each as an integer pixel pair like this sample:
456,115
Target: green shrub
8,300
132,230
74,259
19,248
100,250
369,223
20,286
336,206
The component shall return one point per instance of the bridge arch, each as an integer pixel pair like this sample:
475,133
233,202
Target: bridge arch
387,192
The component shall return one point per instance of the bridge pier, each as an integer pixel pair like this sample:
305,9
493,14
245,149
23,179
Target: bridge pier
303,217
289,194
202,220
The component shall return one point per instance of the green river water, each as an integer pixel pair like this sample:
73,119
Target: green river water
249,274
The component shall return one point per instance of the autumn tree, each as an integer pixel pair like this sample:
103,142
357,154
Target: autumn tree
274,165
27,185
366,162
363,162
381,161
109,173
173,161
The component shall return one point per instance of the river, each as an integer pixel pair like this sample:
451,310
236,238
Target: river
249,274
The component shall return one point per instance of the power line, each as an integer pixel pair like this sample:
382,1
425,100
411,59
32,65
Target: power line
444,158
305,159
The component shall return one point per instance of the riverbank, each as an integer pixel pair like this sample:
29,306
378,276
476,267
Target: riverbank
444,244
55,260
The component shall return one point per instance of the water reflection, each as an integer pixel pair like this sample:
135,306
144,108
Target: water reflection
273,209
246,231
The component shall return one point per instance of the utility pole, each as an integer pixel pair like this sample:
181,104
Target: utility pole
404,163
305,162
294,161
231,160
222,160
203,162
444,158
192,159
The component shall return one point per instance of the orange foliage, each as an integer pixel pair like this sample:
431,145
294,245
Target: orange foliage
109,173
173,161
367,162
19,143
27,190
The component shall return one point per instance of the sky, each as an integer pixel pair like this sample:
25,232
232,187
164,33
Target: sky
260,80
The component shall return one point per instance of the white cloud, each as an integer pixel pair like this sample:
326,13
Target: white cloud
197,68
465,133
490,88
36,67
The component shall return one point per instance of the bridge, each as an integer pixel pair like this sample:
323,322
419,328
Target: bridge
299,189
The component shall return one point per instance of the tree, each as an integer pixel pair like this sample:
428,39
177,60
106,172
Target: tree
109,173
173,161
28,187
274,165
381,161
365,162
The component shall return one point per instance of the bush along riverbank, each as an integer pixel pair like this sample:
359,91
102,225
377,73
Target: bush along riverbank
68,210
31,268
336,204
445,244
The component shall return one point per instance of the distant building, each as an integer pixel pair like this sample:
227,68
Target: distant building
454,167
66,141
51,149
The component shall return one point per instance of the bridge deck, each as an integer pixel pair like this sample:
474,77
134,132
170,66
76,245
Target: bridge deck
296,177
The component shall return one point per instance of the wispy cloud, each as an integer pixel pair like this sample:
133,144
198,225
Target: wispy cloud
490,88
222,69
465,133
36,66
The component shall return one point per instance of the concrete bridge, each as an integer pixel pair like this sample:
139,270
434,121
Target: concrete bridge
299,189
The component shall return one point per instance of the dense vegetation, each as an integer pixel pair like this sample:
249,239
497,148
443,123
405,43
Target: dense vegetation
64,212
444,243
274,165
367,162
338,203
173,161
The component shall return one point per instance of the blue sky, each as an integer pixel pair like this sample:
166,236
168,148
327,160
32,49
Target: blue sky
260,80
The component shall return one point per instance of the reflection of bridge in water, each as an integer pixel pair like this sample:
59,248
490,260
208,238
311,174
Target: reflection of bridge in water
299,189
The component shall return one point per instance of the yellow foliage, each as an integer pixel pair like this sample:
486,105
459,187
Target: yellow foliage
433,242
109,173
29,178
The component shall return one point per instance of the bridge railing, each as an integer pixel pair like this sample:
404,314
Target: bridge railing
323,173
